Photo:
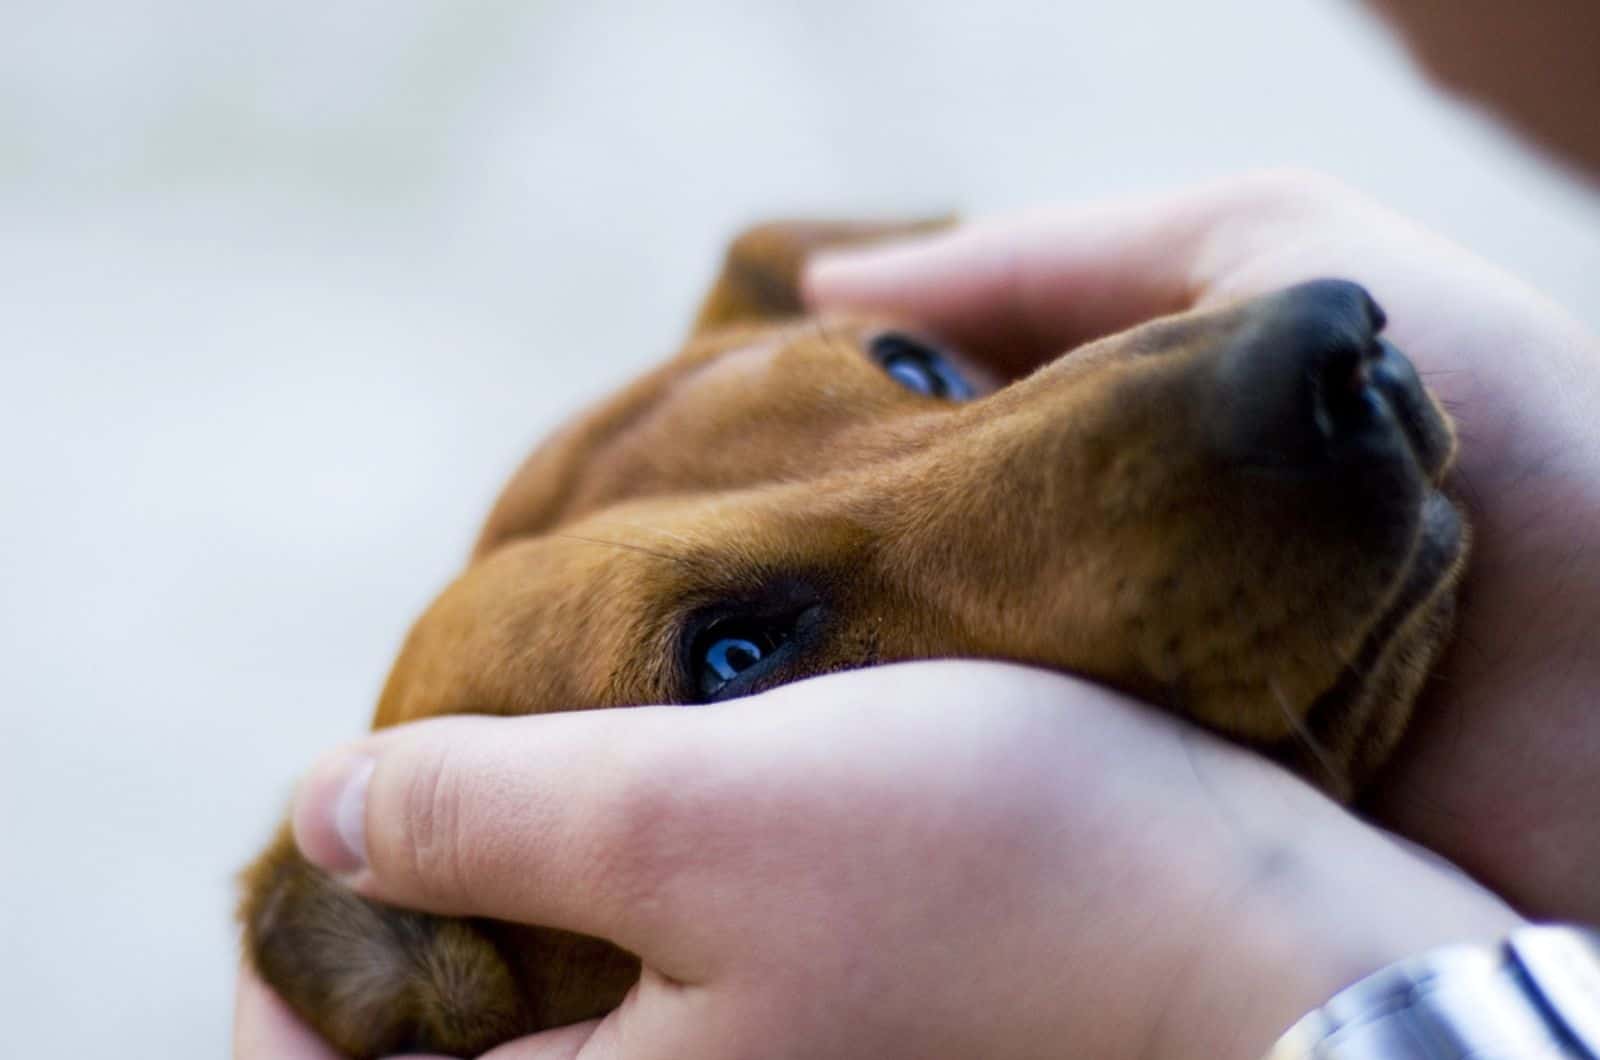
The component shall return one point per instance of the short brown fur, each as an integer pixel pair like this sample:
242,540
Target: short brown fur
1077,519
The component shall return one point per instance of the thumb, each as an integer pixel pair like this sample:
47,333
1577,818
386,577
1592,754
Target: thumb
534,820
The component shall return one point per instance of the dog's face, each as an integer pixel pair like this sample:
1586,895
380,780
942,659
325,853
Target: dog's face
1234,513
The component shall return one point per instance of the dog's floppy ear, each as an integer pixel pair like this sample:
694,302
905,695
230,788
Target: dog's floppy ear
760,277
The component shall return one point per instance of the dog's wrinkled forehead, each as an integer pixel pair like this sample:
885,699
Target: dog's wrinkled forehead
741,407
755,364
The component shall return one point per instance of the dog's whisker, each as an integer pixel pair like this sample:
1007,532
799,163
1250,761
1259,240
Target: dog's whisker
625,546
661,532
1305,737
1470,490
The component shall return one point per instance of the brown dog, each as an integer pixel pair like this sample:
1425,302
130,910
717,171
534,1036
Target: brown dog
1234,513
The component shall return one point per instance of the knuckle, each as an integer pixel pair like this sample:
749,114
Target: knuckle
430,853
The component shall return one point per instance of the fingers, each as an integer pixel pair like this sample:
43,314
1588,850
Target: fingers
1022,288
532,820
265,1029
581,1041
576,1042
1017,289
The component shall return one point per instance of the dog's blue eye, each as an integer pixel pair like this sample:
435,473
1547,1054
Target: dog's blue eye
731,648
731,656
919,367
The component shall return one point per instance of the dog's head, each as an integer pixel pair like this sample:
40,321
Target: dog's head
1235,513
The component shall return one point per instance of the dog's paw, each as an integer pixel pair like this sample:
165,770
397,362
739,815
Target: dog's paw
371,979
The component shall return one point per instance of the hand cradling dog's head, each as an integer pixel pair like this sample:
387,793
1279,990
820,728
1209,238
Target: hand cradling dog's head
1234,513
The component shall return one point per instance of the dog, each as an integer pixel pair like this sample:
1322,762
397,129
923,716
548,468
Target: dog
1236,513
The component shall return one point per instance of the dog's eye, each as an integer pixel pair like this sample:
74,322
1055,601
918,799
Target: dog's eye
919,367
731,648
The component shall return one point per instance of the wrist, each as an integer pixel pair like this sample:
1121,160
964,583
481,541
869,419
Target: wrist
1308,917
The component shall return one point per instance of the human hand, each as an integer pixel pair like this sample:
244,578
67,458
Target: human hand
927,860
1501,770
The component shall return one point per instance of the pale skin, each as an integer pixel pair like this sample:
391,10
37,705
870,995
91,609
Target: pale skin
962,859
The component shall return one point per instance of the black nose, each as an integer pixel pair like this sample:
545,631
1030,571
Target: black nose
1308,384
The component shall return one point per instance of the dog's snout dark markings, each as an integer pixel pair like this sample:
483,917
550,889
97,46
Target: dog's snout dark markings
1309,386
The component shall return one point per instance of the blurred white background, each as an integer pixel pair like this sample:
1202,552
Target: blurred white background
290,287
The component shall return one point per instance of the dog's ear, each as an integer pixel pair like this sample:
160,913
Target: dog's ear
760,277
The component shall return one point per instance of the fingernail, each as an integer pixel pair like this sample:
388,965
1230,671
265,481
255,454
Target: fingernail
330,813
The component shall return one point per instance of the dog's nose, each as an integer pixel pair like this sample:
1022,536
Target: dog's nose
1308,384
